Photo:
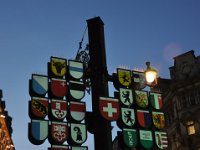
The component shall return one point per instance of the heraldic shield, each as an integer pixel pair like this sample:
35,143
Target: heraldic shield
78,133
146,138
158,119
59,109
126,96
139,80
130,137
156,100
59,132
109,108
58,87
128,116
76,90
141,98
39,107
38,131
144,118
161,139
58,66
59,147
124,77
77,110
38,85
75,69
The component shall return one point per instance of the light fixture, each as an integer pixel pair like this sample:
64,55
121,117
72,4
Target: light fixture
190,127
150,75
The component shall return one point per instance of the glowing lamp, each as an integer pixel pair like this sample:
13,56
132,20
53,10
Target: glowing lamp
150,75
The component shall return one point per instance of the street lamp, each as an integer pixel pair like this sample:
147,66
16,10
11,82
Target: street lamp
150,75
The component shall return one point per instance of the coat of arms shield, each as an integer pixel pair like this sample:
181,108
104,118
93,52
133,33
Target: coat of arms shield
109,108
59,108
130,137
75,69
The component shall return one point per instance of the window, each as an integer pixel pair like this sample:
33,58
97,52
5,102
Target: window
190,127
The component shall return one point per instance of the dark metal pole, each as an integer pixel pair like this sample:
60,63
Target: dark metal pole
99,83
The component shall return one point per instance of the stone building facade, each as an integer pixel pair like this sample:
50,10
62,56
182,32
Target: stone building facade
6,142
181,96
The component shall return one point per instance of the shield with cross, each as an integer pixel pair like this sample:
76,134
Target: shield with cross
109,108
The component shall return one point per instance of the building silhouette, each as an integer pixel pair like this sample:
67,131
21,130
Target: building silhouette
5,127
181,96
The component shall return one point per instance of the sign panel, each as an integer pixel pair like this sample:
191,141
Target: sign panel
75,69
141,98
109,108
146,138
161,139
39,130
59,108
124,77
139,80
128,116
158,119
130,137
58,87
59,147
39,107
156,100
144,118
78,133
79,148
126,96
58,66
39,85
77,110
76,89
59,132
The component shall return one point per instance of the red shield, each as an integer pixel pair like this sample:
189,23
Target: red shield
109,108
59,132
77,110
39,107
58,87
59,108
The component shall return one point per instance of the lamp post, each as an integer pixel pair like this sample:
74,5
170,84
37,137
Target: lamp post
150,75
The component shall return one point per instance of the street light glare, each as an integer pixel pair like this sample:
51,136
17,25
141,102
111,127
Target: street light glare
150,77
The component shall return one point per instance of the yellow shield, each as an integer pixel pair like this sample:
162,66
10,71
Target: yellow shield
124,77
58,66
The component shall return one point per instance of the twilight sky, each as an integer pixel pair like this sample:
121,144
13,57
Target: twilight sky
136,31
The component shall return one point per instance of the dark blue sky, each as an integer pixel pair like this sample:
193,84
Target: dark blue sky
136,31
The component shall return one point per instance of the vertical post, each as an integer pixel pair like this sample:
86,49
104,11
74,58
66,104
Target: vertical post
99,82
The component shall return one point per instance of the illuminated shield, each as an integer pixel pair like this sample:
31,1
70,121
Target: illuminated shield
158,119
130,137
156,100
141,98
39,130
144,118
58,66
39,107
59,132
39,85
146,138
161,139
138,80
78,133
59,147
124,77
77,110
76,90
126,96
59,87
75,69
128,116
59,108
79,148
109,108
